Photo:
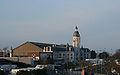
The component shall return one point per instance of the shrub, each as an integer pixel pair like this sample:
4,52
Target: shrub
33,72
2,72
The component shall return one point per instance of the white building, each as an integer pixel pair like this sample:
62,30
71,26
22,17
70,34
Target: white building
96,61
47,53
7,67
85,53
63,54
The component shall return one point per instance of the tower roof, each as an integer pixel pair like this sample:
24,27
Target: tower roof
76,27
76,33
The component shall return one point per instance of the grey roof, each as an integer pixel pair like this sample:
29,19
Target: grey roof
42,45
85,49
61,48
56,48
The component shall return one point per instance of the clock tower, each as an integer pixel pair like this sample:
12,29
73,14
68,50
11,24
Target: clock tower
76,38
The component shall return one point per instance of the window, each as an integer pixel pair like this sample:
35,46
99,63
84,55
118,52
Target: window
68,54
47,54
48,48
81,58
81,54
71,54
87,55
33,55
77,54
60,55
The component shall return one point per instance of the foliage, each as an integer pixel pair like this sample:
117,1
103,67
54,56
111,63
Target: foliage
93,54
69,65
103,55
2,72
33,72
83,64
19,64
110,62
117,54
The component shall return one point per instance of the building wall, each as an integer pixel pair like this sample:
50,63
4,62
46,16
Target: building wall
34,55
85,54
68,56
26,60
45,55
4,53
26,49
76,41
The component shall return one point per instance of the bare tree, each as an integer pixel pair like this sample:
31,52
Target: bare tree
118,51
5,48
117,54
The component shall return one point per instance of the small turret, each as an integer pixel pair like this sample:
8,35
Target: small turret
11,51
82,46
67,46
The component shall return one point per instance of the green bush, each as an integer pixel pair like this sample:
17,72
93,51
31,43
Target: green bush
69,65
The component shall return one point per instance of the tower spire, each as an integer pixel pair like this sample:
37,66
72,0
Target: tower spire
76,28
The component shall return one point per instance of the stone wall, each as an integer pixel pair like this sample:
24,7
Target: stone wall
26,60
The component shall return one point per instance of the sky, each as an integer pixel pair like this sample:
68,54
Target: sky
54,21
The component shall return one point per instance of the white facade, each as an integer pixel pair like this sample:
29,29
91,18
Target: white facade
47,49
8,67
85,53
47,52
67,56
45,55
96,61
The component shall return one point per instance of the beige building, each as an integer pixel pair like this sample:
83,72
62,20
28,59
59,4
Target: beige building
31,49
